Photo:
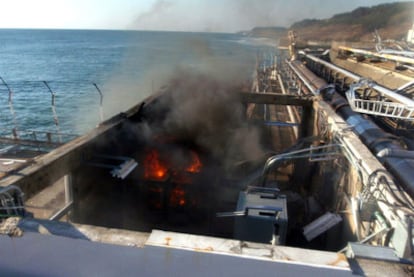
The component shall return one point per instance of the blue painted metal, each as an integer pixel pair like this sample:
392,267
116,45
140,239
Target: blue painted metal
47,255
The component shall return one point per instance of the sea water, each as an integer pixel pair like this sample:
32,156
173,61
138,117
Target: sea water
56,80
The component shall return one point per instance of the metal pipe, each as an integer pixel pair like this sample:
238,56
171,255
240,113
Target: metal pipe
373,136
380,55
378,140
314,81
389,93
396,153
368,238
59,214
5,160
295,69
67,180
68,188
55,117
406,85
298,154
12,111
101,114
331,66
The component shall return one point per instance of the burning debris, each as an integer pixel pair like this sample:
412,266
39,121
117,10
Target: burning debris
154,168
198,123
159,167
204,113
169,179
195,165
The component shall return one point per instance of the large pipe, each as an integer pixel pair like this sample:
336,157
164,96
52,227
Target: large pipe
397,153
386,92
310,80
379,142
376,139
382,54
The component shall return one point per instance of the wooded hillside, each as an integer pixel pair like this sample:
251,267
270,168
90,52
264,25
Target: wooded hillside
392,20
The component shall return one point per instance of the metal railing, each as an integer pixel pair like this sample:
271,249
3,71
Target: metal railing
313,153
393,96
11,129
11,202
378,107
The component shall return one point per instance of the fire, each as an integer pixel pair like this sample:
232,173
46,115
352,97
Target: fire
195,165
173,178
177,197
158,168
154,168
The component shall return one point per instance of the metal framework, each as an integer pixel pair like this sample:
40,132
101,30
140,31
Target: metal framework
378,106
365,96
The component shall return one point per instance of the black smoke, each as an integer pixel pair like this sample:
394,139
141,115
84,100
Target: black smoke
205,111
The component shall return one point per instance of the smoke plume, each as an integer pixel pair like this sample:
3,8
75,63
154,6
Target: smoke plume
199,104
157,8
237,15
145,69
205,110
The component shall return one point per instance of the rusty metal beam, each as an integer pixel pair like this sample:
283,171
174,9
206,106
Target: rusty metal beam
276,99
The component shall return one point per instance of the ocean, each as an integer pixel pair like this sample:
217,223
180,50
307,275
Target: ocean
53,78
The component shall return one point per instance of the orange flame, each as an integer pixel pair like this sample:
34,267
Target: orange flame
157,169
177,197
154,168
195,165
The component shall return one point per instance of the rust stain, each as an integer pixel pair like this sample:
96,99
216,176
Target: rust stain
340,258
208,248
167,241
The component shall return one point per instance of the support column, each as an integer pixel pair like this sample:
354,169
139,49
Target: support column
307,125
67,180
303,168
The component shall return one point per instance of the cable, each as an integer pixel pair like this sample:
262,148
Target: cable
383,179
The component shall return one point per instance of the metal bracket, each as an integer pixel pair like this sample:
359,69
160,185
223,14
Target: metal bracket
118,170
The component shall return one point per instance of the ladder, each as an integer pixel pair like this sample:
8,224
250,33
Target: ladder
384,108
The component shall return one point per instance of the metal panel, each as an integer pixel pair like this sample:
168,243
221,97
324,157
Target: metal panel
46,255
266,216
247,249
357,250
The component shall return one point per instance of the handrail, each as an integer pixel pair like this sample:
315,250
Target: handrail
392,95
299,154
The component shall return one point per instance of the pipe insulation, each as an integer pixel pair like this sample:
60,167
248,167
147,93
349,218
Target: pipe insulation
375,138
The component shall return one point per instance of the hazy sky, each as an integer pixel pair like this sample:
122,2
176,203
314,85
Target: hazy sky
176,15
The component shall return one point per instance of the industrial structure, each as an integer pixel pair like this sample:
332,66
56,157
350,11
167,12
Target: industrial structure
333,195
